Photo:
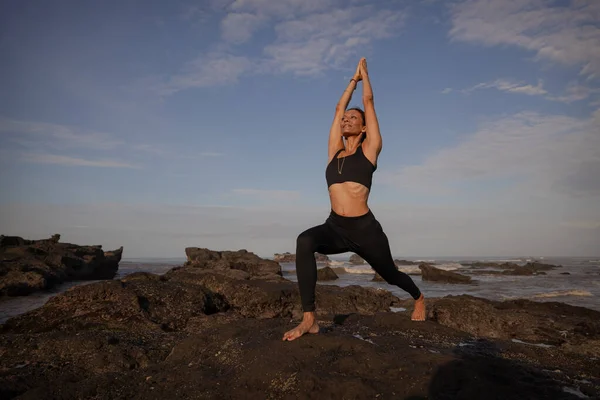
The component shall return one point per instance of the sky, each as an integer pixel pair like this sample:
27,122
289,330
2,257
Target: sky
160,125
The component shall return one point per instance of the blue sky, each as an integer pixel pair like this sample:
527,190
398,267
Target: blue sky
161,125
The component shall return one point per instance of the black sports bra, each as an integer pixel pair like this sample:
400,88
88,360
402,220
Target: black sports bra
353,168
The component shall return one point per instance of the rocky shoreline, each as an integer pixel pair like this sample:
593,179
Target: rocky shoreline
290,258
27,266
212,328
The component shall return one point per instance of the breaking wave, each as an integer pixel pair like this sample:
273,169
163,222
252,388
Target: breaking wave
560,293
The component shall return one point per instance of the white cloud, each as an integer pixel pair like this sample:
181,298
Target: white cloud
239,27
568,34
40,158
213,69
512,87
320,41
311,36
282,8
247,16
43,135
548,153
575,92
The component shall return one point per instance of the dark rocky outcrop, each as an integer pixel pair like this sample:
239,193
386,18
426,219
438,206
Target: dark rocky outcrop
326,274
509,268
512,269
201,332
430,273
241,260
355,259
27,266
574,329
528,269
290,258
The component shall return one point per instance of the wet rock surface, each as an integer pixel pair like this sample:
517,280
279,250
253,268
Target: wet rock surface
290,257
355,259
241,260
326,274
431,273
530,268
215,333
27,266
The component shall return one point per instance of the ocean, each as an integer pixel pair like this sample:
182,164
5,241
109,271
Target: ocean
581,287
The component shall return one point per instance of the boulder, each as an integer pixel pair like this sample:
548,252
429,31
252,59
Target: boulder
240,260
533,268
430,273
290,258
547,323
31,265
355,259
326,274
284,257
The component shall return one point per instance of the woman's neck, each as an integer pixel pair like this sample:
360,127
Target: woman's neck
352,144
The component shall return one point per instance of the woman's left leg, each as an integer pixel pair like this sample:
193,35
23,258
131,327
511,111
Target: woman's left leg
374,248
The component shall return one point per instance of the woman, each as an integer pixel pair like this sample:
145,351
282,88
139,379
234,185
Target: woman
351,226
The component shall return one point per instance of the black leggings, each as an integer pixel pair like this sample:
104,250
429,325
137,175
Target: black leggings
362,235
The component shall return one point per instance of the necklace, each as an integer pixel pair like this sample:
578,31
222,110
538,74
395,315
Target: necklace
338,162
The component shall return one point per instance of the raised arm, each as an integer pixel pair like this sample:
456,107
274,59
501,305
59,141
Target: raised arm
335,133
372,144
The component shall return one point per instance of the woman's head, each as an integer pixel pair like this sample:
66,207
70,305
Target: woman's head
353,122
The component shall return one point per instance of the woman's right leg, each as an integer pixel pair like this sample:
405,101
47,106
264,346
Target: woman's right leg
322,239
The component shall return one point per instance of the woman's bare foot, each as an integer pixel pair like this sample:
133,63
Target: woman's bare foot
308,325
419,311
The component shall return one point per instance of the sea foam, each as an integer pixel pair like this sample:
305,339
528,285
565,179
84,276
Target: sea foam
561,293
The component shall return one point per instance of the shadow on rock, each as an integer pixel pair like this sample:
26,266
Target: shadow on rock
481,373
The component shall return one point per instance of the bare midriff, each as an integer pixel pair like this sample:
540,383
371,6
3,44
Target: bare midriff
349,199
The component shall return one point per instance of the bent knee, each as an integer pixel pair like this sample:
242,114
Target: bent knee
305,242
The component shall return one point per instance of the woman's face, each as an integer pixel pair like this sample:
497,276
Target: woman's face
352,123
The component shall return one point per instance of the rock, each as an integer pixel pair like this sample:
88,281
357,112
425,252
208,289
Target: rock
6,241
31,265
240,260
290,258
197,332
285,257
326,274
527,269
549,323
430,273
514,269
522,271
148,302
488,264
222,356
356,259
541,266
